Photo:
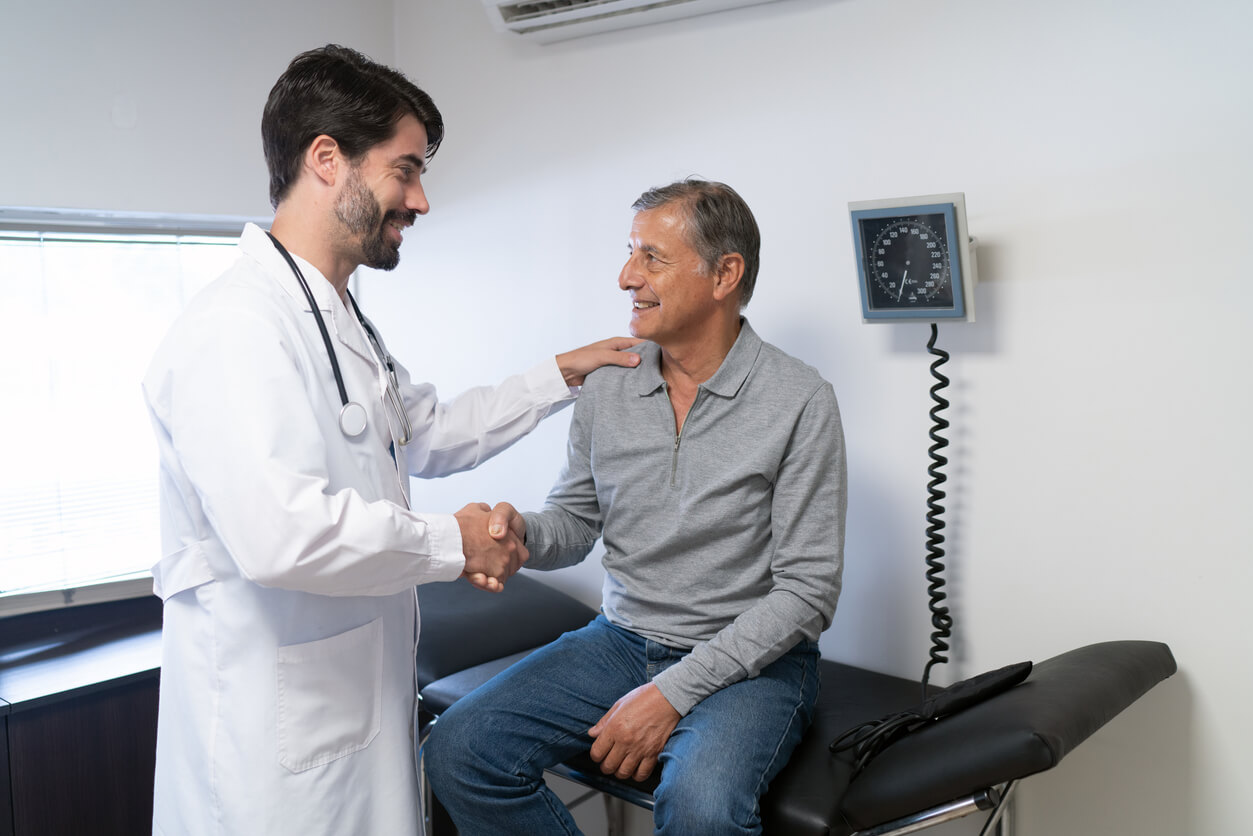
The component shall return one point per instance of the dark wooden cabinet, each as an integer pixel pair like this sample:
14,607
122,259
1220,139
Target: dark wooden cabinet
85,764
78,705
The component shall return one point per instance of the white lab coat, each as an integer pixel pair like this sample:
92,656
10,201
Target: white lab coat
290,558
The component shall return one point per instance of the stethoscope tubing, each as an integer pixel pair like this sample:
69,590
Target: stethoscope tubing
352,415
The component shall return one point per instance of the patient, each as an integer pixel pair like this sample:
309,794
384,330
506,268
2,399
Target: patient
715,473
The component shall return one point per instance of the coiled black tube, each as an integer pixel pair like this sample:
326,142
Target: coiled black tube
941,620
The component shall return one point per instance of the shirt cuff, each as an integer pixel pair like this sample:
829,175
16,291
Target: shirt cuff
443,535
546,380
681,695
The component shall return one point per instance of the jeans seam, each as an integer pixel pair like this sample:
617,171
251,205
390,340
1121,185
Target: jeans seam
529,758
548,800
774,757
547,797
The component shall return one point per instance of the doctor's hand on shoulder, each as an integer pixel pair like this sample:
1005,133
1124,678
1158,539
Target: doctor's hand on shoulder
492,543
576,364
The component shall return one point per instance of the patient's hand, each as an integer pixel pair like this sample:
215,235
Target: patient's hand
633,732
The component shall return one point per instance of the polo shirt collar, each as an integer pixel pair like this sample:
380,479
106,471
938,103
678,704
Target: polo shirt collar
725,382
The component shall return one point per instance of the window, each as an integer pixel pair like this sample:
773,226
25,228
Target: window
85,298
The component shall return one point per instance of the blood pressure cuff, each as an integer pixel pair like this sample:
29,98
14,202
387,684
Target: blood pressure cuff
868,739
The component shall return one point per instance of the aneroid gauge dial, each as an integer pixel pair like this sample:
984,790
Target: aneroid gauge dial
913,258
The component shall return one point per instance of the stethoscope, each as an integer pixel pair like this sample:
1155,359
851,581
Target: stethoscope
352,416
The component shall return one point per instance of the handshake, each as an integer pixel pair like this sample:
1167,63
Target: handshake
492,542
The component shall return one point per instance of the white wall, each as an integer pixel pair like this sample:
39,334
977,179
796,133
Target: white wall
1099,443
1099,437
154,105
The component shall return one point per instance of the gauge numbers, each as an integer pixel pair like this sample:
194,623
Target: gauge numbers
907,260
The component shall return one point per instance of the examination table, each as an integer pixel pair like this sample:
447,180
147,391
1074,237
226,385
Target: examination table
961,764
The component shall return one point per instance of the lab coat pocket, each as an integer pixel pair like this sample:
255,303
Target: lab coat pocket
329,697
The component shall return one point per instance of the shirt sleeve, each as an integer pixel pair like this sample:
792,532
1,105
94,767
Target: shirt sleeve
807,528
459,434
566,529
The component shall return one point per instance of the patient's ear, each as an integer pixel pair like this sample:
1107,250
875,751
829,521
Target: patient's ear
727,275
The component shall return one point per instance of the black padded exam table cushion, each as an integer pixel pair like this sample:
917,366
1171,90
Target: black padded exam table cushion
462,627
468,635
1025,730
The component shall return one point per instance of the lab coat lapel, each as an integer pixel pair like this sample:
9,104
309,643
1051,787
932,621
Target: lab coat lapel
341,323
349,331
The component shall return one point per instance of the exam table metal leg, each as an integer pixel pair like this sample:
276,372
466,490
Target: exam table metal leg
615,816
1001,822
984,800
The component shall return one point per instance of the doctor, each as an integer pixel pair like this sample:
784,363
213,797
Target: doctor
286,435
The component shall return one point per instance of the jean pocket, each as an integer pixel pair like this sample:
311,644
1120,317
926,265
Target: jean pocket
329,697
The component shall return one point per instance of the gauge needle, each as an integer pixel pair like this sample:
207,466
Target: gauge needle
902,290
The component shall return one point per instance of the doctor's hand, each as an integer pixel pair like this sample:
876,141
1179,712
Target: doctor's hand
491,558
576,364
633,732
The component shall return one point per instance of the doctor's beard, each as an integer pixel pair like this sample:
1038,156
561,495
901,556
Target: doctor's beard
359,211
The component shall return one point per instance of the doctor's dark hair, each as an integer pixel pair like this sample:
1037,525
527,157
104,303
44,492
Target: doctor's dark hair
339,92
718,222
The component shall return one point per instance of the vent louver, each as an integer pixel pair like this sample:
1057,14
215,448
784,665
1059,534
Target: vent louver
546,21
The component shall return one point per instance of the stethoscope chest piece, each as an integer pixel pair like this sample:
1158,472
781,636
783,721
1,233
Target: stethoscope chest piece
352,419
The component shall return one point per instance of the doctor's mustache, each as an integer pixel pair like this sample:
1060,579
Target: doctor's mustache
401,216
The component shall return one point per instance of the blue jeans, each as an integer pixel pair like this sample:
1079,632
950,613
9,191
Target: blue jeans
486,755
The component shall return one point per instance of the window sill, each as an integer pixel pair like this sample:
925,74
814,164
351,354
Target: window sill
50,656
136,586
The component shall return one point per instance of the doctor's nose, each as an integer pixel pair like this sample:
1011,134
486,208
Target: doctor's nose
415,199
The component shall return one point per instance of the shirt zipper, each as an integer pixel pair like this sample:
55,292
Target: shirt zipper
674,461
678,436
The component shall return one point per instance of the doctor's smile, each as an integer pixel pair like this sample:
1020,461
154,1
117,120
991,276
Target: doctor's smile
400,221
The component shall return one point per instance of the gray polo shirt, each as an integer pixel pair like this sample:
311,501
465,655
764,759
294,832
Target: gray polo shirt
727,538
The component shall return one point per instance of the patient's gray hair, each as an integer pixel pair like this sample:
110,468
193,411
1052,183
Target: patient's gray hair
719,222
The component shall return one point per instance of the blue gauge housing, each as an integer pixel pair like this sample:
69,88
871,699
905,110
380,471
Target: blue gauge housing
913,259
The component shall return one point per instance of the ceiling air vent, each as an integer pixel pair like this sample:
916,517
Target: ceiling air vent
546,21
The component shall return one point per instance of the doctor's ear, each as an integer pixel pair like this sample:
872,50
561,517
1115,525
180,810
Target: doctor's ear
322,158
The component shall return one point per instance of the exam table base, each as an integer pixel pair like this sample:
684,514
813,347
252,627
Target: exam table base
998,823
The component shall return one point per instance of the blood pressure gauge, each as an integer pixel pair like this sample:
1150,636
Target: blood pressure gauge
914,258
